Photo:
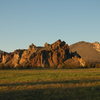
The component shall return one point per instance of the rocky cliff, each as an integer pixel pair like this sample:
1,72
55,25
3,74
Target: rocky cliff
56,55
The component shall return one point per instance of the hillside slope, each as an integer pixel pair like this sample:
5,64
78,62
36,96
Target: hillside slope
90,52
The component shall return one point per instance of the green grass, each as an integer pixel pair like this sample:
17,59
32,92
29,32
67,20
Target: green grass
50,84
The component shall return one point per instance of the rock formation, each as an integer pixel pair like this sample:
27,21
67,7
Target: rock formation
56,55
96,46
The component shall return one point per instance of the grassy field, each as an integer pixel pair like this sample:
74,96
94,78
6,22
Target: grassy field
50,84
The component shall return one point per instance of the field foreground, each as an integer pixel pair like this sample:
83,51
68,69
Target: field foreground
50,84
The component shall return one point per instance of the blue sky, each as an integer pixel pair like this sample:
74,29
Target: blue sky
23,22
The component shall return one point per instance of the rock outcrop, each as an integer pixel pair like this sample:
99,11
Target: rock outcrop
96,46
56,55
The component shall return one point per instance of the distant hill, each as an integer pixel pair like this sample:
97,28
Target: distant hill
90,52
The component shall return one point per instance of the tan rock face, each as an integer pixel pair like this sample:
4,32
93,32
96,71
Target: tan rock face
74,62
56,55
96,45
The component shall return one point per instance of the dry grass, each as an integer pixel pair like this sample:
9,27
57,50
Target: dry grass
50,84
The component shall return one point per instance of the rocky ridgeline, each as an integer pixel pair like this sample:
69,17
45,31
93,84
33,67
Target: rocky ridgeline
56,55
